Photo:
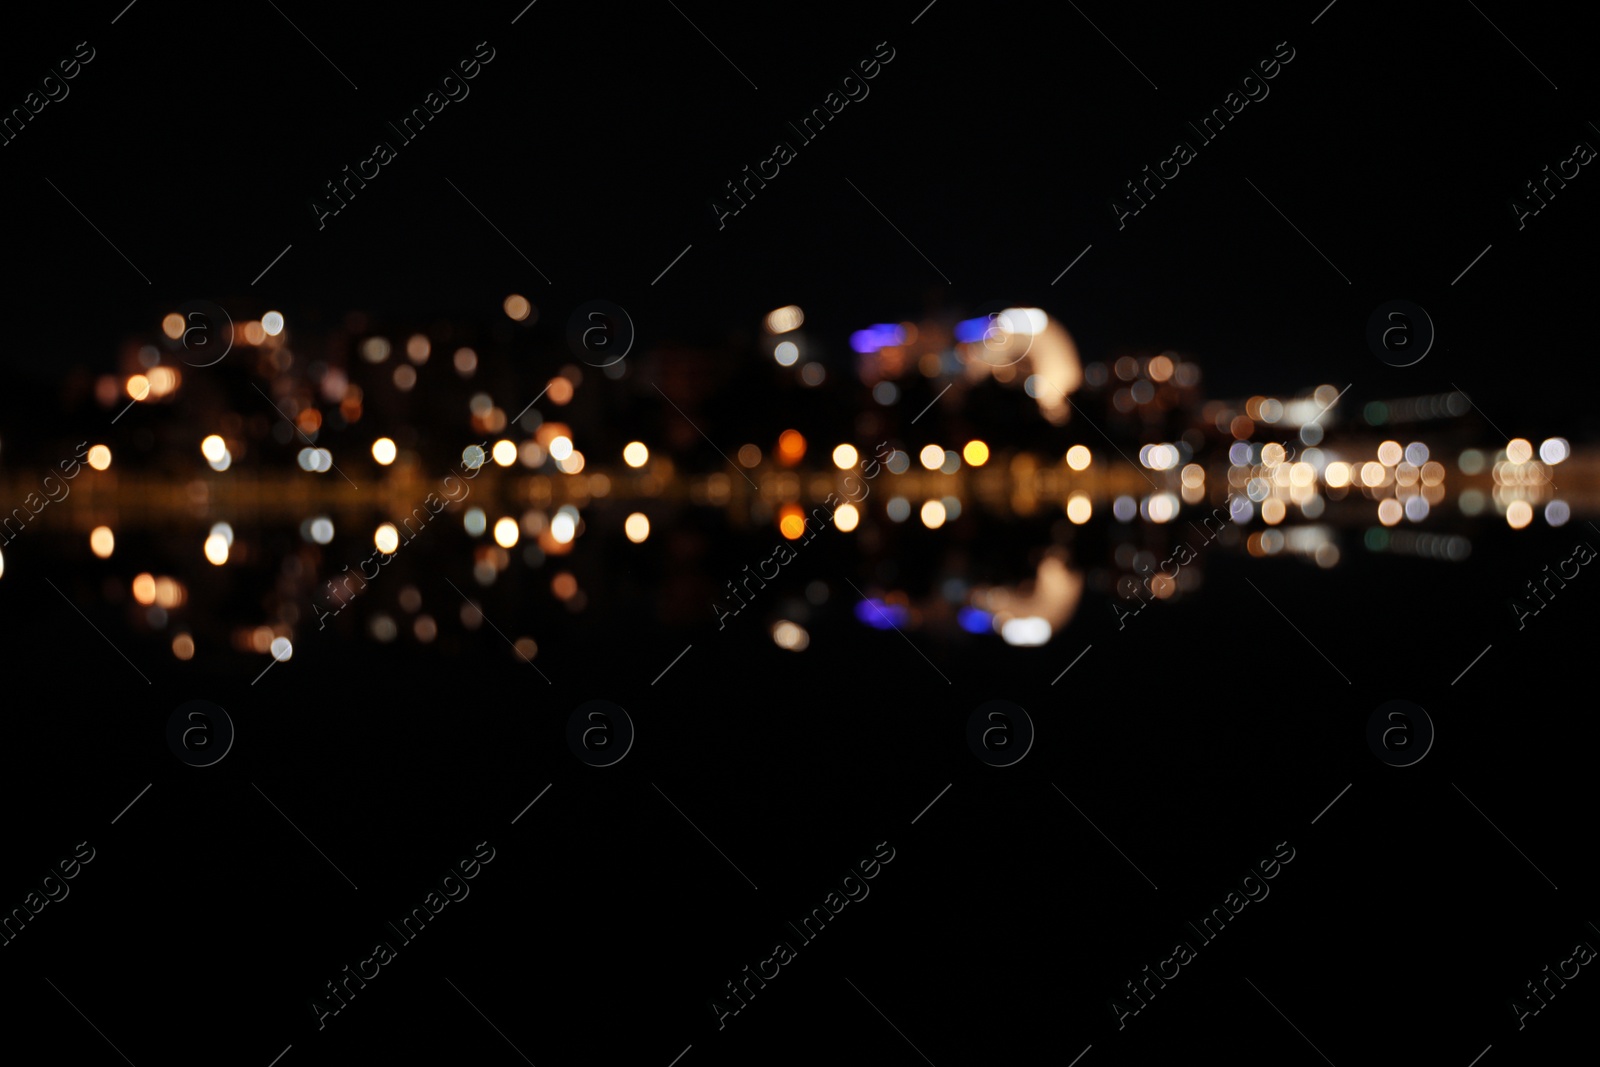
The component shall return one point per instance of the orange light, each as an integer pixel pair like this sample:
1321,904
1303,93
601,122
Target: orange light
791,520
791,447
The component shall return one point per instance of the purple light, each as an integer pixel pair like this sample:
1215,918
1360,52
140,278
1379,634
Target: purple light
880,616
880,335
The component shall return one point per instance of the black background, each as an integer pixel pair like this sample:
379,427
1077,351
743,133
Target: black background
1196,739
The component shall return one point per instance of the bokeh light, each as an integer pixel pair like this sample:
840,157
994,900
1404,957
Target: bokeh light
101,542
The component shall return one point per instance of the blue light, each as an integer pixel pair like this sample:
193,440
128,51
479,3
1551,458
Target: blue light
969,331
880,616
975,621
879,335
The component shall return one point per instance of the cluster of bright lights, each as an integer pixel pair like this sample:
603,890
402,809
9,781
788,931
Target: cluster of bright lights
215,451
1163,457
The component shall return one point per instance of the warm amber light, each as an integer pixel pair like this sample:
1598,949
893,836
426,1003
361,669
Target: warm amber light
213,448
99,457
387,538
383,451
504,453
506,532
1078,458
791,521
517,307
845,456
637,527
933,514
791,447
216,548
976,453
846,517
101,541
635,454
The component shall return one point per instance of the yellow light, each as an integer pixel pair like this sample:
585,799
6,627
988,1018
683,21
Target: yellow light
1078,458
1273,511
1520,450
637,527
101,541
138,387
846,517
387,538
517,307
506,532
272,323
1390,453
1519,514
213,448
505,453
1274,454
845,456
785,319
163,380
183,646
383,451
1193,476
560,447
172,325
1337,475
1372,474
1390,511
932,457
99,457
976,453
933,514
217,549
791,521
573,464
144,588
1079,509
1302,474
168,592
635,454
